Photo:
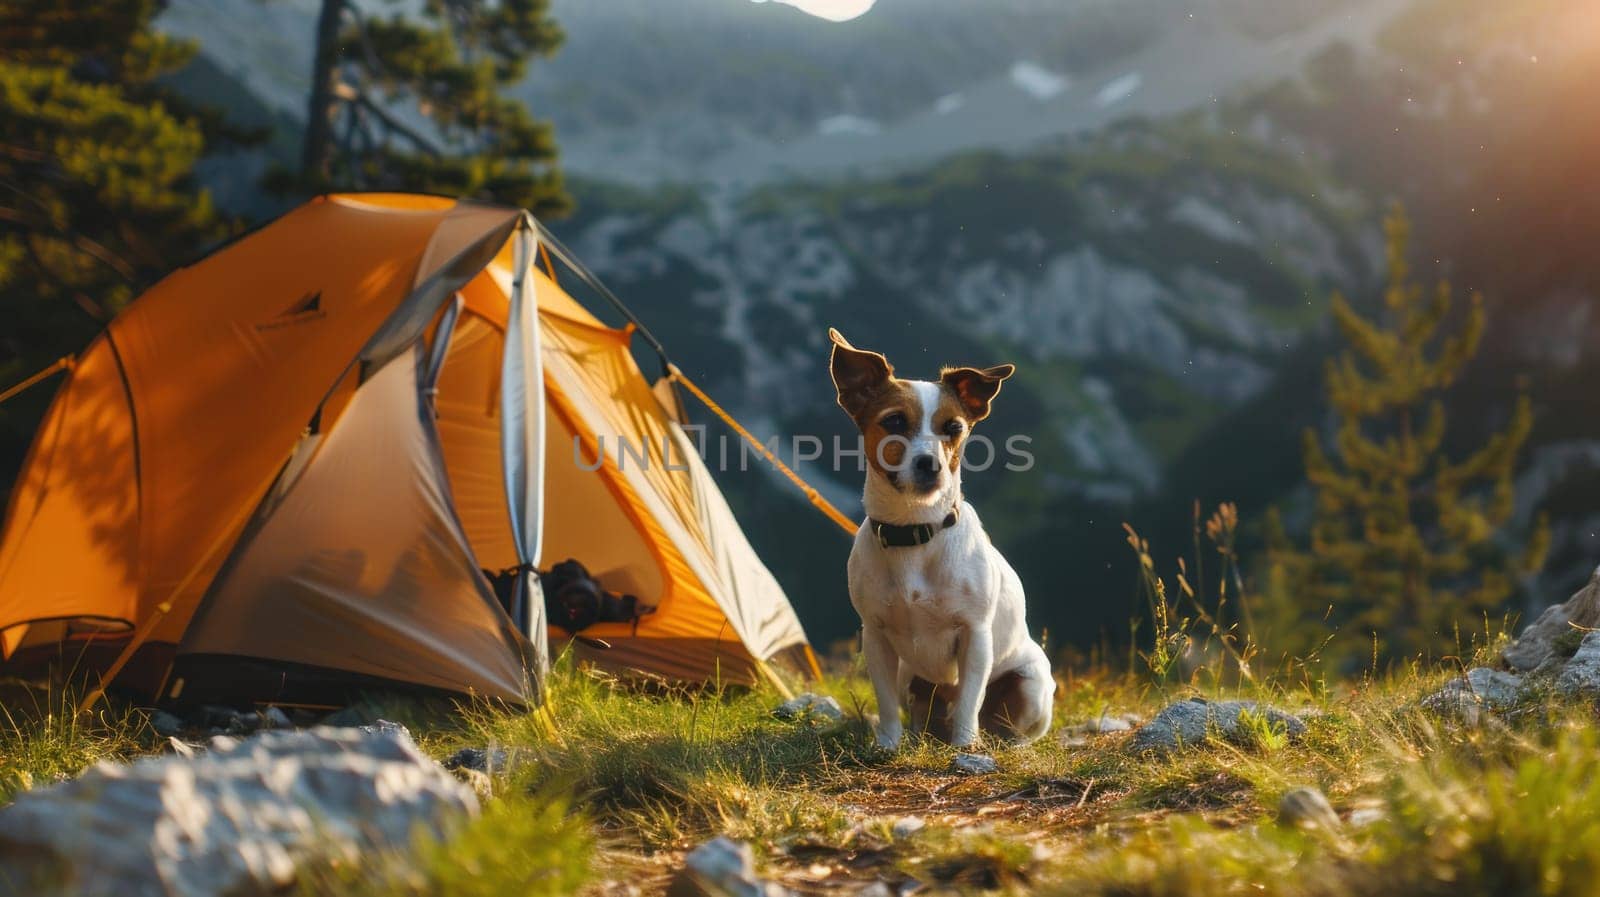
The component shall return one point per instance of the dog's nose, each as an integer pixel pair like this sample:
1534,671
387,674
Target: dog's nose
925,465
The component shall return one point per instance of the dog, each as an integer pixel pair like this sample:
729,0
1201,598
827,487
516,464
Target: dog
943,622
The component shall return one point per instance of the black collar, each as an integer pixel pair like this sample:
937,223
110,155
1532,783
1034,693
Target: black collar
895,535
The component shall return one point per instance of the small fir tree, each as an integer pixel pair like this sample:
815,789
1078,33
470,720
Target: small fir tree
414,101
1406,543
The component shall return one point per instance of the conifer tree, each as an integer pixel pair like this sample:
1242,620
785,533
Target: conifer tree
97,190
1406,543
412,100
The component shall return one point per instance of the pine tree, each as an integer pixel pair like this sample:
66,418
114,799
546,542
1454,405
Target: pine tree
97,190
413,101
1406,543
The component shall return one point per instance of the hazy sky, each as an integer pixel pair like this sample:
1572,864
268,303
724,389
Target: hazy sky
834,10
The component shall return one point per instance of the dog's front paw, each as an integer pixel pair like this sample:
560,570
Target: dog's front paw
888,739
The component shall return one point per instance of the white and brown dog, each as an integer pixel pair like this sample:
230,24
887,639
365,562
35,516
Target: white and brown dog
944,628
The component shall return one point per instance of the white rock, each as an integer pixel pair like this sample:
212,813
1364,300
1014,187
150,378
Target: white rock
721,867
1361,817
974,764
1480,689
1581,675
237,819
810,705
906,826
1187,724
1102,724
1540,641
1308,809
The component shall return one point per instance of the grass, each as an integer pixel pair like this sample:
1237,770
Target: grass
633,778
44,740
531,845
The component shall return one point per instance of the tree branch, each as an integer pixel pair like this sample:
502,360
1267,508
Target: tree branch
390,122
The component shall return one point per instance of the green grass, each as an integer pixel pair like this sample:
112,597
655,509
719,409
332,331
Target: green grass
632,778
531,845
44,740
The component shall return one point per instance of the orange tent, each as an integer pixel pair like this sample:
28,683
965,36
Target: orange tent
281,472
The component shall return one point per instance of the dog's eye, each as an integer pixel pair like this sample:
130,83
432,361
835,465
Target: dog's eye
954,427
894,423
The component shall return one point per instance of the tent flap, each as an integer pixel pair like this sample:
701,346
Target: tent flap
362,566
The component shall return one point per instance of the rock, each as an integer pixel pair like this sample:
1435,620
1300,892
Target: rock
1361,817
812,706
1307,809
238,819
1103,724
487,759
974,764
212,716
1581,675
383,726
1188,723
165,724
1549,637
1465,697
906,826
358,714
721,867
476,759
274,718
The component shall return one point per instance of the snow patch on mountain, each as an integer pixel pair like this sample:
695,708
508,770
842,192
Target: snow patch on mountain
1118,89
848,125
1037,81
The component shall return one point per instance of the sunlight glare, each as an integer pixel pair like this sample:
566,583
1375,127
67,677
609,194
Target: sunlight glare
832,10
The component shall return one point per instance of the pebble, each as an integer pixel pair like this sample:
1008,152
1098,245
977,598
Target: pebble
721,867
974,764
906,826
810,706
1307,809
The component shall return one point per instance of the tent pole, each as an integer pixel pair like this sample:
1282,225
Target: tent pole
811,660
522,435
772,676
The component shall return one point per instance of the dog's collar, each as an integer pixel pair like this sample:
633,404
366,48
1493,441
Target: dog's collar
910,535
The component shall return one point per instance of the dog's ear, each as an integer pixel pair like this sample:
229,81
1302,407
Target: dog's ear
857,373
975,388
